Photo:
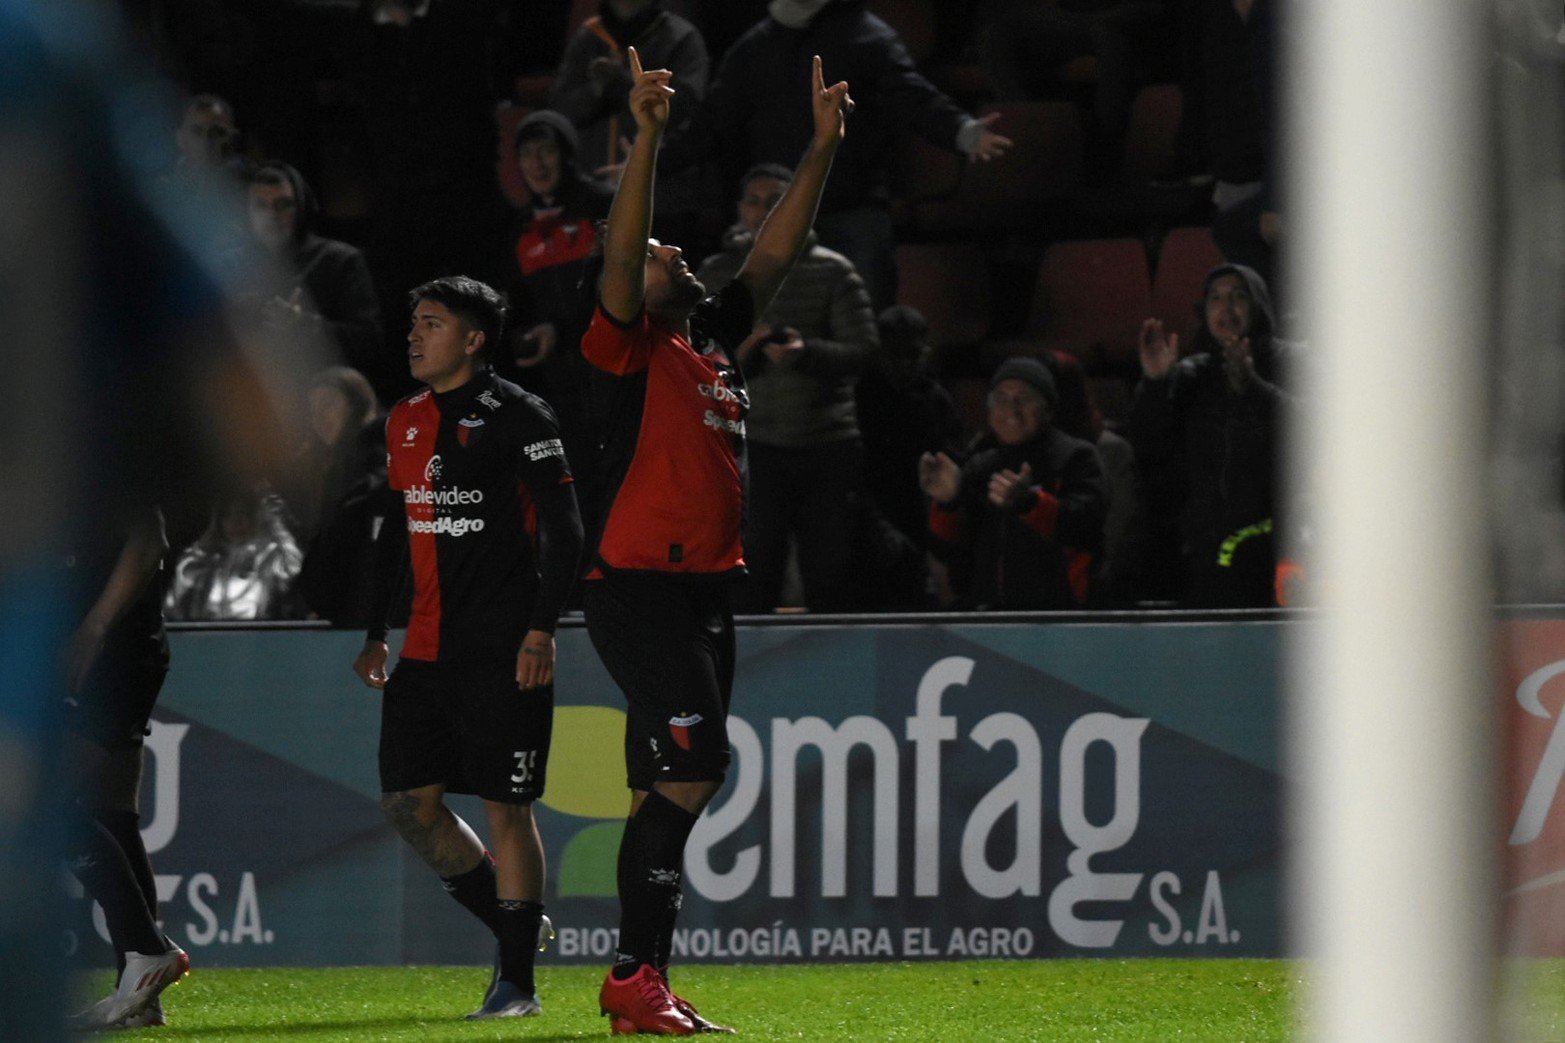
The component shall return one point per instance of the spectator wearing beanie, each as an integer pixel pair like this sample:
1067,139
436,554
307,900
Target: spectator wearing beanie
1020,525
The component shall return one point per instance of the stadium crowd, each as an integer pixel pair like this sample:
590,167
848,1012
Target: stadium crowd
1031,357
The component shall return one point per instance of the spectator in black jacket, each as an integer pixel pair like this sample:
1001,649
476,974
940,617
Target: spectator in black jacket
1207,432
593,84
1021,523
751,115
555,243
322,285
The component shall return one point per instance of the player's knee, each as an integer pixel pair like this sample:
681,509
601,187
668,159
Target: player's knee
509,818
692,796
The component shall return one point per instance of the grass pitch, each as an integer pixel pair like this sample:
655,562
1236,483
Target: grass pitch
1102,1001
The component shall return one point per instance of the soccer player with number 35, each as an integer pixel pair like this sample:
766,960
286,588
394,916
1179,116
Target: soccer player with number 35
493,539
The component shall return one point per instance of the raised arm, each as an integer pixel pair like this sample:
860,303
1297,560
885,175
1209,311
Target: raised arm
630,218
783,233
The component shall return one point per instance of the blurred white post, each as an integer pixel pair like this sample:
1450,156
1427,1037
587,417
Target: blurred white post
1392,700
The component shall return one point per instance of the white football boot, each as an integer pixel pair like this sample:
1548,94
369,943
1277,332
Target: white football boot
142,981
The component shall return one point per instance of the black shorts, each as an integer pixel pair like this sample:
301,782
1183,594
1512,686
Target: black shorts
469,729
114,707
668,642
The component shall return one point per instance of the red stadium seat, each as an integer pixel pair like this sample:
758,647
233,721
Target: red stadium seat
921,171
1014,192
532,89
913,20
950,284
1182,263
1152,139
1091,296
581,10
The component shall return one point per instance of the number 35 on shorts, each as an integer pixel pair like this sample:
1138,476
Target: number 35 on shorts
526,763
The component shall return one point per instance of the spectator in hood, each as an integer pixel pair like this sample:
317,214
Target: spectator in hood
751,116
801,363
556,244
1207,431
208,140
592,88
322,285
1021,523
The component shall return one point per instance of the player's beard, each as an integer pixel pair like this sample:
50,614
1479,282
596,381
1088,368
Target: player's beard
684,294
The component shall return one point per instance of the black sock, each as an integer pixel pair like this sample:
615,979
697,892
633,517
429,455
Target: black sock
475,889
651,863
104,871
517,929
125,827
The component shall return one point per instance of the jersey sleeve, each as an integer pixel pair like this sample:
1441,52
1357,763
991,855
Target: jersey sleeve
616,347
391,564
391,469
540,455
544,470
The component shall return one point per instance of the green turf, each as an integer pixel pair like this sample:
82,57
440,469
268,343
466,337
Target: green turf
1102,1001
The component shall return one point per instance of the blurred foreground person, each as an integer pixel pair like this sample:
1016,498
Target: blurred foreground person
117,661
136,392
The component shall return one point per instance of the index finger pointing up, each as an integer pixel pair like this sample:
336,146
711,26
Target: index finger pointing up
635,62
820,77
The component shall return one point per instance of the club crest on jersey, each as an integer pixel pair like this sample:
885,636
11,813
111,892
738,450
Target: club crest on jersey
432,469
679,728
488,399
465,429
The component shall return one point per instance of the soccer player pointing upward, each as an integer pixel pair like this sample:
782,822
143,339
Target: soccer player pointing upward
657,600
494,540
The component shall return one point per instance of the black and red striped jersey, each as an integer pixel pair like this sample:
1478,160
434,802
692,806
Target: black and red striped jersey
673,414
471,466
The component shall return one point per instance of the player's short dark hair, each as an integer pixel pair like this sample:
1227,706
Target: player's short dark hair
776,171
477,304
